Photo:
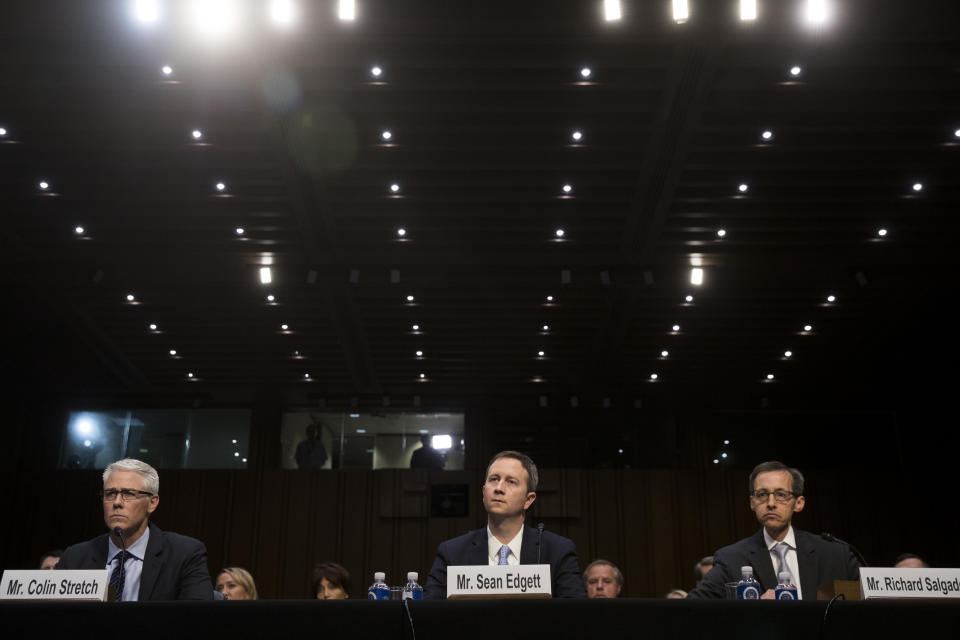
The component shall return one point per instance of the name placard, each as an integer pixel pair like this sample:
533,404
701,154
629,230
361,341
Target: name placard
488,581
882,582
65,584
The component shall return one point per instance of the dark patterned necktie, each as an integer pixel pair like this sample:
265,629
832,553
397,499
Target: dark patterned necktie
119,574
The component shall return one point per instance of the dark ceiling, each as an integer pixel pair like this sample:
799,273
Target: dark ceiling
481,99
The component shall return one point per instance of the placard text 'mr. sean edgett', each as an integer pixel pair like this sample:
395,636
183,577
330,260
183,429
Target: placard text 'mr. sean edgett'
513,581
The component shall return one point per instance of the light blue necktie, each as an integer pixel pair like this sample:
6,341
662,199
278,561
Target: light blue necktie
504,552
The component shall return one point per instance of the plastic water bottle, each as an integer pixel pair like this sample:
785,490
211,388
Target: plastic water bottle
413,590
786,589
748,588
379,589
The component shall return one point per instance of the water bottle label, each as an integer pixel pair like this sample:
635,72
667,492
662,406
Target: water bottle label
786,594
371,595
417,594
748,592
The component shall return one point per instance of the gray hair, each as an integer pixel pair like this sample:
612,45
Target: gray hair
151,479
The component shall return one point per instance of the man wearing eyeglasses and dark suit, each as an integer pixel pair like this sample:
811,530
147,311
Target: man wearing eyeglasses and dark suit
776,493
144,562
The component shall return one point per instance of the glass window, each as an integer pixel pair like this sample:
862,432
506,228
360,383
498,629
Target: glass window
163,438
326,440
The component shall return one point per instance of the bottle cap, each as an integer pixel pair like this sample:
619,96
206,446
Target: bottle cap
747,571
380,576
412,576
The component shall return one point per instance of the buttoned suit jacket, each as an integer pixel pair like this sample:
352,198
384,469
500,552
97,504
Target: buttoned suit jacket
174,566
819,561
471,549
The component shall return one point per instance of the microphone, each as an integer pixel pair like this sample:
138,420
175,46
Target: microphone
832,538
118,531
539,539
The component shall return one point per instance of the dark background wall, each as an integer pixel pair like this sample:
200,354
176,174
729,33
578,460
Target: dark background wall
874,478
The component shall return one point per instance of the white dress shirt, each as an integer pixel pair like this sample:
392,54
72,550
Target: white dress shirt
493,548
791,540
133,566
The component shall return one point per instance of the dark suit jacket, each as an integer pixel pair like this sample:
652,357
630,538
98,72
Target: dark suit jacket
819,562
174,566
471,549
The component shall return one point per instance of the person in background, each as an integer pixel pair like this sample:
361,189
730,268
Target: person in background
702,568
426,457
602,579
310,453
331,582
676,594
50,559
910,561
236,583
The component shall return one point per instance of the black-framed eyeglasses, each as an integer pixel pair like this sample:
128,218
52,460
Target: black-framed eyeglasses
126,495
781,496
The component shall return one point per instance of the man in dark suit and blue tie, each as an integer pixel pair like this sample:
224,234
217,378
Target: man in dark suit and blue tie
144,562
509,488
776,494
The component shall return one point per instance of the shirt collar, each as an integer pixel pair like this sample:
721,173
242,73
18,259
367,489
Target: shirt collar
790,539
493,545
138,549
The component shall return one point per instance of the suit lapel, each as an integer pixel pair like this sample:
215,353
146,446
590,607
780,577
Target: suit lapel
478,551
528,548
761,562
98,556
807,564
152,561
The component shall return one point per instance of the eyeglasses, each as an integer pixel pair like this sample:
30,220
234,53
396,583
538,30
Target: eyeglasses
781,496
126,495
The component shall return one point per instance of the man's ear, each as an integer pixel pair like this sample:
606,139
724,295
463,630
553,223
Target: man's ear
531,496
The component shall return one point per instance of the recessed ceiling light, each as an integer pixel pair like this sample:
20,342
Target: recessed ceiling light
423,376
44,185
787,353
716,461
956,134
282,12
266,275
284,327
166,70
271,298
394,188
131,297
567,188
611,10
675,327
726,442
723,455
146,11
696,276
918,186
153,326
882,233
386,134
306,376
347,10
546,327
415,327
767,135
743,188
664,353
808,328
173,352
831,298
196,134
410,298
681,11
3,132
240,231
541,353
817,11
654,376
688,298
549,298
559,233
419,353
721,233
769,376
577,136
244,459
401,232
221,186
376,71
78,230
748,9
796,70
586,72
189,375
